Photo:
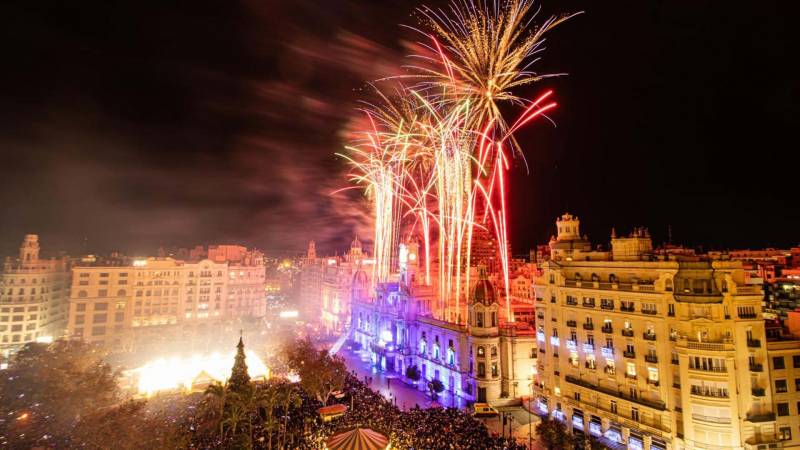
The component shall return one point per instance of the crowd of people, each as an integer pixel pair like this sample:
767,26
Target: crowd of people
416,429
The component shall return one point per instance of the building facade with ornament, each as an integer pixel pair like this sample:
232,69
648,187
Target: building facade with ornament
484,358
652,350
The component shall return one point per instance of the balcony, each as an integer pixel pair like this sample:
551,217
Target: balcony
716,369
540,316
627,332
630,376
628,354
758,392
756,367
588,326
658,405
651,312
609,370
676,385
649,336
764,417
607,329
710,419
572,323
653,382
588,304
572,302
709,392
607,306
748,316
675,361
754,343
625,308
651,358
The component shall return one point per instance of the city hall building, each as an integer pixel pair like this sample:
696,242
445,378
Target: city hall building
485,359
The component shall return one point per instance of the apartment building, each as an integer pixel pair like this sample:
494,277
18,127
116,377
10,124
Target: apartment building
34,293
108,303
650,350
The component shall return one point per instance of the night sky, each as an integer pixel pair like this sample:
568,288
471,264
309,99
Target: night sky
139,124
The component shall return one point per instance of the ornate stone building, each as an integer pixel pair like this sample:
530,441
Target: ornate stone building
483,360
33,297
651,350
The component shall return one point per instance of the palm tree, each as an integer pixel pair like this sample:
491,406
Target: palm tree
216,396
266,398
288,398
237,415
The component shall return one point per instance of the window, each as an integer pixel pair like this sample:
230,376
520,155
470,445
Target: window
481,369
98,331
796,361
635,414
630,369
785,434
494,351
797,384
494,370
80,307
780,386
578,396
614,406
778,363
119,317
783,409
481,351
79,319
82,294
100,318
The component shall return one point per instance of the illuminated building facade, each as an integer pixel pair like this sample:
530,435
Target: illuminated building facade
339,276
109,304
651,350
484,358
33,297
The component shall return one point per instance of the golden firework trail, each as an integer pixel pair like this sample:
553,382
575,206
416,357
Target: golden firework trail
437,151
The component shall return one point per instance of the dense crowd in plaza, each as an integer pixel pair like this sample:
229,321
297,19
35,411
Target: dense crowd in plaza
417,429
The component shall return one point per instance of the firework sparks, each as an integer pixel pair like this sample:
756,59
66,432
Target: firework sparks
435,159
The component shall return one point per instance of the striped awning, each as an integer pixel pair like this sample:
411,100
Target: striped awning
357,439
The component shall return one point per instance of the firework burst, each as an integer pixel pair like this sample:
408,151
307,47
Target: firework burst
435,157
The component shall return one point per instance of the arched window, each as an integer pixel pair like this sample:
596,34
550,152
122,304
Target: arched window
481,351
595,277
668,285
82,294
612,278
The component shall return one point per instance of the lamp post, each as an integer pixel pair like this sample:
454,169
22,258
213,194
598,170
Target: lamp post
530,416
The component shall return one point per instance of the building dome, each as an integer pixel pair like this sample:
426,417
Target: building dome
484,291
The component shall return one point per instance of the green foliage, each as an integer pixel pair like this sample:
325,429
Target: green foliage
413,373
249,415
320,373
240,379
47,389
553,434
127,426
435,386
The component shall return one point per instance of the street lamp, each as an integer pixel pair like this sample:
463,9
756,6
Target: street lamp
530,416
